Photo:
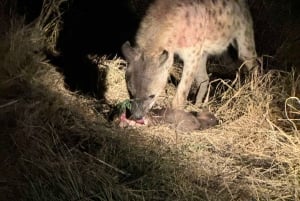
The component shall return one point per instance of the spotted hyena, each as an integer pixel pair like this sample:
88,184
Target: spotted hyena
193,30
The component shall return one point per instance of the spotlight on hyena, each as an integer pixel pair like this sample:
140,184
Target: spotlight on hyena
193,30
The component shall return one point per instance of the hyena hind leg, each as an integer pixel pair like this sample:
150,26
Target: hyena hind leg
246,49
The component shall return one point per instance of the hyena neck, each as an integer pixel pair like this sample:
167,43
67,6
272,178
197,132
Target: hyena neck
156,29
151,42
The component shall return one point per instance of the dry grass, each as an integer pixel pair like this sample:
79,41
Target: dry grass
56,145
253,153
114,76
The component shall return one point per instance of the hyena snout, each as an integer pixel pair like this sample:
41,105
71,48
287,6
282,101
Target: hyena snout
140,107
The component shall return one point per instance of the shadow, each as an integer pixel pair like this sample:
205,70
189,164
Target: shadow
80,74
91,27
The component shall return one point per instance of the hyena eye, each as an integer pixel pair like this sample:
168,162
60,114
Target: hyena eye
151,96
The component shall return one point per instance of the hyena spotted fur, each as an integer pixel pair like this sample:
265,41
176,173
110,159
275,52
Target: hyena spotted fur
193,30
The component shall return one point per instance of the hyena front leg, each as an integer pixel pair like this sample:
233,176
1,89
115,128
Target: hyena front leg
190,69
246,47
201,79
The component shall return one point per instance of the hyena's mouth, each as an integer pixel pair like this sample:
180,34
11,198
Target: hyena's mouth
140,107
136,114
125,121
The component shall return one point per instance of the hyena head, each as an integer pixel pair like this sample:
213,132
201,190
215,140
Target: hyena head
146,76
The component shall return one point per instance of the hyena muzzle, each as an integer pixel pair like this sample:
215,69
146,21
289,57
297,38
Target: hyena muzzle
193,30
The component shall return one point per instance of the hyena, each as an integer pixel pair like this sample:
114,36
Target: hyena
192,30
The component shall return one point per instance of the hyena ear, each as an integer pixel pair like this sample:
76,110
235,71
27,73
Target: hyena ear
163,57
130,53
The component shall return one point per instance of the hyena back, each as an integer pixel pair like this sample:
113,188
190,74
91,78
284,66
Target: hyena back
193,30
